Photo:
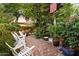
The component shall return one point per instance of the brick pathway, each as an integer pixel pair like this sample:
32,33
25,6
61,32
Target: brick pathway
42,48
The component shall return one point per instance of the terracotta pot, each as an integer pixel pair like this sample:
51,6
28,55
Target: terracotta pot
56,42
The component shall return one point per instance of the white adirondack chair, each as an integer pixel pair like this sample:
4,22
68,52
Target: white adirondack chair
23,35
19,38
24,52
20,44
15,37
12,49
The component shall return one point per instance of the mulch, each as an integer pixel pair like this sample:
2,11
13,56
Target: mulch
42,47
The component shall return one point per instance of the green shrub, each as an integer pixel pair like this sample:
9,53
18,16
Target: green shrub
57,30
67,30
13,27
5,36
72,33
39,32
3,20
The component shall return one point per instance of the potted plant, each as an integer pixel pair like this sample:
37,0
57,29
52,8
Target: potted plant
56,32
52,31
